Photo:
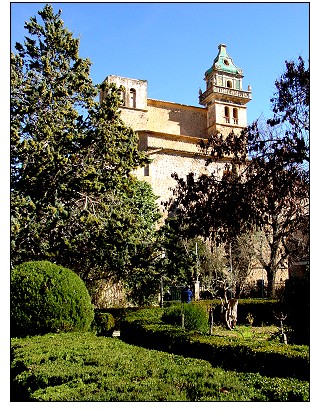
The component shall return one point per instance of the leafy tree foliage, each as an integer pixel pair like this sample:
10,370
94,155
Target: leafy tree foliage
189,258
269,191
214,265
74,199
179,260
291,109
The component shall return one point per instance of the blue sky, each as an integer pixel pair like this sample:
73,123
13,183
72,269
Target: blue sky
172,44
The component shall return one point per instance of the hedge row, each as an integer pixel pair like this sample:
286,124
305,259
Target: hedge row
262,310
117,313
83,367
146,329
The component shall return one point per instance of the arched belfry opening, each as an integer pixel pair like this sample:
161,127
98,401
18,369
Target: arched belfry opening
235,115
226,114
132,98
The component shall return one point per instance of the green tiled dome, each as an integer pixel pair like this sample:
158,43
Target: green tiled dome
224,63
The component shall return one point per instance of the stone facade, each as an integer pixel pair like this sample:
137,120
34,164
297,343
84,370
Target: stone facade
170,132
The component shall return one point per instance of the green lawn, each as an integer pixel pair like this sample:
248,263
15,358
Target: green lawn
83,367
259,333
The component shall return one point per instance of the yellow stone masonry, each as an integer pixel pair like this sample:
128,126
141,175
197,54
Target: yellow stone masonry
170,132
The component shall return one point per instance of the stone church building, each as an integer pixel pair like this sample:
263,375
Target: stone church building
170,132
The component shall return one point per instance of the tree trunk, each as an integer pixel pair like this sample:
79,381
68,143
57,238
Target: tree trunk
229,311
270,282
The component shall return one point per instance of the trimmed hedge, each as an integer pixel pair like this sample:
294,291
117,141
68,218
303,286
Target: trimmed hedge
104,324
296,298
47,298
195,317
145,328
117,313
84,367
261,310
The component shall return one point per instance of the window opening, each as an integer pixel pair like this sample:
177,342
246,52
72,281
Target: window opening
147,170
229,84
132,98
235,115
226,114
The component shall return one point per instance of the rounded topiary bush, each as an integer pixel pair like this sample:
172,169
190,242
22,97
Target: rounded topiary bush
46,297
195,317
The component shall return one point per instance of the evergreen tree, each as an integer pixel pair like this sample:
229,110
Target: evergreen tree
74,199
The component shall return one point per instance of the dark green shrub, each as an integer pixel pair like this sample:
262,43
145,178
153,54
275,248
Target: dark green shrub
262,310
46,298
83,367
297,308
104,323
195,317
267,358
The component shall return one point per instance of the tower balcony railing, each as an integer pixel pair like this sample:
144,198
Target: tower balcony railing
243,95
234,119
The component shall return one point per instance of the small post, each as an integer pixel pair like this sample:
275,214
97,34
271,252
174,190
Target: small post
230,260
211,320
161,292
182,316
282,333
196,289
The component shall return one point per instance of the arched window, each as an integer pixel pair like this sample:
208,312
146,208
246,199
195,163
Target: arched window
226,113
132,100
229,84
235,115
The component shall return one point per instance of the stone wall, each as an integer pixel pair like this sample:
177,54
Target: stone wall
134,118
177,119
165,164
107,294
139,86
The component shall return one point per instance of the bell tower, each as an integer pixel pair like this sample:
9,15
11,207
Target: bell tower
224,98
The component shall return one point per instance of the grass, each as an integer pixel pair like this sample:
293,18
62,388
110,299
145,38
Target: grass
84,367
259,333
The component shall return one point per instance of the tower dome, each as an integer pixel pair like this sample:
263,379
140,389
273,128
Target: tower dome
224,98
223,62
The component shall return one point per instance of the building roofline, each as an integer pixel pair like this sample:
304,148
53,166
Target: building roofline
149,100
170,135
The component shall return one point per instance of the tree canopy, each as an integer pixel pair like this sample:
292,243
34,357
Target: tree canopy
265,186
74,198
